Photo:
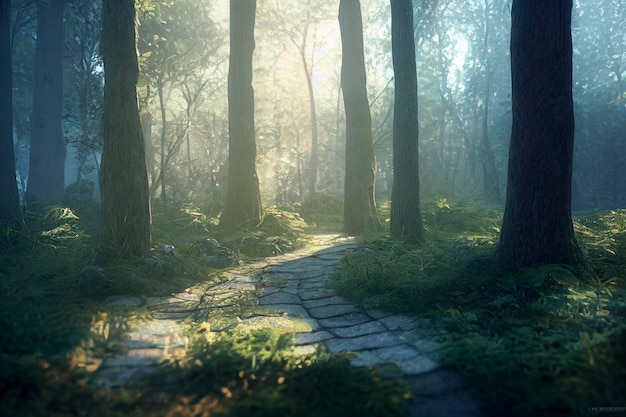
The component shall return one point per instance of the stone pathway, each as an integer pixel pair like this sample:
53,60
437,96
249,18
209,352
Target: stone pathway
291,293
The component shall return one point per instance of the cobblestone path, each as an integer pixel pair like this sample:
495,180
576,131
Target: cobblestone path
290,292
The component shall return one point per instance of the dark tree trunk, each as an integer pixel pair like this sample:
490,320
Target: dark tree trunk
9,197
46,174
243,198
124,189
537,226
406,219
359,215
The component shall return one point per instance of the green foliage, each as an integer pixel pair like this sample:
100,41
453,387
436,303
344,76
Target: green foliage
509,332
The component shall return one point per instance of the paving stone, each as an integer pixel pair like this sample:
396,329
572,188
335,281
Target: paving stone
268,290
279,298
312,274
325,312
399,322
359,329
293,310
281,276
116,377
312,285
350,319
418,365
397,353
330,300
365,358
316,293
368,342
315,337
337,249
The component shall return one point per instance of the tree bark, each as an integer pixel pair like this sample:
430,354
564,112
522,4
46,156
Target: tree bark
243,199
46,174
537,226
10,214
406,218
124,188
360,215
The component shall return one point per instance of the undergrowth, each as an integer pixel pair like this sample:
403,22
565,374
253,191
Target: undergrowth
541,340
57,328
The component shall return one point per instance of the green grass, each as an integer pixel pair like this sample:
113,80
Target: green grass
540,339
56,327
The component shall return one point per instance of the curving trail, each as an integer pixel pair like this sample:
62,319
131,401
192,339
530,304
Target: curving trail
289,292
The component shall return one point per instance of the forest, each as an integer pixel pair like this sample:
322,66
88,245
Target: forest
310,208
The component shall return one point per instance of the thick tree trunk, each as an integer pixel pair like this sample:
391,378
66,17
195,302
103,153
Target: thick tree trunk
46,174
537,226
9,200
406,219
359,216
124,190
243,199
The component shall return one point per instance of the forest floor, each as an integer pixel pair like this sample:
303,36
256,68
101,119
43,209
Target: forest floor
280,319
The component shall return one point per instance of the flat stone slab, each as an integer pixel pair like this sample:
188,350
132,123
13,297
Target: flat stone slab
279,297
350,319
397,354
418,365
359,329
399,322
313,284
316,293
426,346
335,310
331,300
368,342
315,337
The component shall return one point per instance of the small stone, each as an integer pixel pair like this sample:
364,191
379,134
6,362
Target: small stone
293,310
399,322
397,353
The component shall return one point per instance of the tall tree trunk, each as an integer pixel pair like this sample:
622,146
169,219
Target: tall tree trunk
359,216
406,218
243,198
124,190
163,163
537,226
46,174
10,201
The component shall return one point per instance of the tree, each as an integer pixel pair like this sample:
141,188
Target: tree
46,174
124,187
10,201
243,199
406,219
359,214
537,226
